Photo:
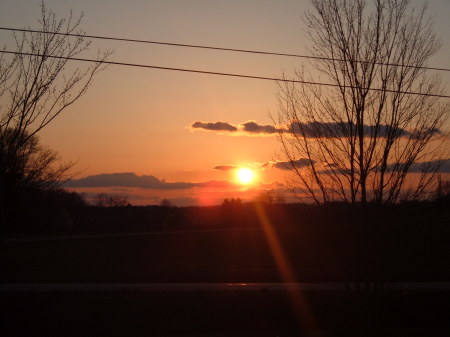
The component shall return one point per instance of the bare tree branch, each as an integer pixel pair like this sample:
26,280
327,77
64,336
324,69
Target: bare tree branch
360,143
36,89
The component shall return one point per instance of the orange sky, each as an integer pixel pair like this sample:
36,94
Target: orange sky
138,120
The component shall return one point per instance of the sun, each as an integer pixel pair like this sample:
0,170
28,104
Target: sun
245,175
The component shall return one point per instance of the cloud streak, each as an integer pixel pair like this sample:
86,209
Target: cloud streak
225,167
130,180
436,165
291,165
127,179
249,128
339,130
254,128
308,130
214,126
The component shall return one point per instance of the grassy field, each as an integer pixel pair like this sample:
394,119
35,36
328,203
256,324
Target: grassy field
217,256
234,255
200,313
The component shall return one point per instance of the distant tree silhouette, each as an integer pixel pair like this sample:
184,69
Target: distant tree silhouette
351,143
101,200
265,197
233,202
110,200
166,203
118,200
443,188
36,87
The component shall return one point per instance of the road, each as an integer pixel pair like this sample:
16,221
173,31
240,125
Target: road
186,287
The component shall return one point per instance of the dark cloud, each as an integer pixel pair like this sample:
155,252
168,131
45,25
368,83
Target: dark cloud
216,126
225,167
441,166
127,179
309,130
121,189
429,166
130,180
290,165
433,131
271,185
253,127
249,127
338,130
445,168
217,184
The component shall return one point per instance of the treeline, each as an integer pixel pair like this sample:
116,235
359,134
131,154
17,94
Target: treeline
60,211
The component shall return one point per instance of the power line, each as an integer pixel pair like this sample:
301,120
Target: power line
216,73
215,48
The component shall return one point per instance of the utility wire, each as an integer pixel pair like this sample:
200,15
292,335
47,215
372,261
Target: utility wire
217,73
216,48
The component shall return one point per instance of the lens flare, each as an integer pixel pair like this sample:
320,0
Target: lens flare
299,302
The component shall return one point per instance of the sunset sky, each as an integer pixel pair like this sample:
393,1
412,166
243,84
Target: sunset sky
132,133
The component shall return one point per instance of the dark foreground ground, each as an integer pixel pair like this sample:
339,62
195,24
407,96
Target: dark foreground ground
411,249
212,313
237,255
226,255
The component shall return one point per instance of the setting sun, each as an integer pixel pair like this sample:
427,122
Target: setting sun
245,175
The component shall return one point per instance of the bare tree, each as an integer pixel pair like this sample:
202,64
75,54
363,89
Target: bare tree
110,200
32,165
362,136
165,203
442,189
375,132
37,84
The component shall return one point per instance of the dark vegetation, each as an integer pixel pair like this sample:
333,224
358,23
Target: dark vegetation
36,86
46,212
348,142
227,243
230,314
54,237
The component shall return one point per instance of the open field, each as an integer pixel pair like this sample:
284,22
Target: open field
235,255
400,252
232,314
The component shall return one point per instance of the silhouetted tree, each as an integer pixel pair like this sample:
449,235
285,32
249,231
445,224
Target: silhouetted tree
30,165
36,84
442,188
166,203
231,202
118,200
101,200
357,139
265,197
29,170
280,199
110,200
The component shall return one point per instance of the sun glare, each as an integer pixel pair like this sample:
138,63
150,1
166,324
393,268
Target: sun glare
245,175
